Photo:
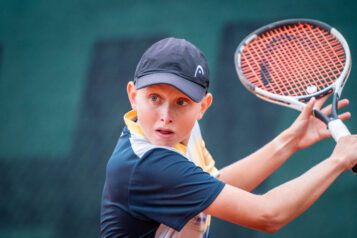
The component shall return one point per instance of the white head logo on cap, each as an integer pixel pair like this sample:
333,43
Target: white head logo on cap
199,70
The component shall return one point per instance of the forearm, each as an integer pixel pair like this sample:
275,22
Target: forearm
289,200
271,211
249,172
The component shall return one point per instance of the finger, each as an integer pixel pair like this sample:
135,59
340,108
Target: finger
345,116
342,103
321,101
308,108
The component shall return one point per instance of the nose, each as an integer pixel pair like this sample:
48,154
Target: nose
166,114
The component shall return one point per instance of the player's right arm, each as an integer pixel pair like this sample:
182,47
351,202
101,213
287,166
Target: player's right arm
249,172
272,210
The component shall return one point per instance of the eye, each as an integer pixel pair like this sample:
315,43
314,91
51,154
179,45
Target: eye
154,98
182,102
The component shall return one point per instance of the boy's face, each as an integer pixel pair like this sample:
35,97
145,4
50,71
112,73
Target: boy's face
165,114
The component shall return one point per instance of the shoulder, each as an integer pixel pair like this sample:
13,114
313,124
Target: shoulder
168,169
170,189
162,162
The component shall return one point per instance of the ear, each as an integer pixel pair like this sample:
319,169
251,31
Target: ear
131,90
205,104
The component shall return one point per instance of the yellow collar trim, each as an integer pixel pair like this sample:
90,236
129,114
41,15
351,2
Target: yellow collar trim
130,121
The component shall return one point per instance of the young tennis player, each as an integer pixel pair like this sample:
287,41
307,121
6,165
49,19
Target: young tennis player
162,182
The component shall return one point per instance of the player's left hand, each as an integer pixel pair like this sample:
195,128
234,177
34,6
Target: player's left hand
307,129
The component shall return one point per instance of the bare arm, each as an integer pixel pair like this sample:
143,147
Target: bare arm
271,211
305,131
249,172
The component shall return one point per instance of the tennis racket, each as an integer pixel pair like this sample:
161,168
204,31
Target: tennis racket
290,61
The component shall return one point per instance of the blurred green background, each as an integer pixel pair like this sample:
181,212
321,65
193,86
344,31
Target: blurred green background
64,66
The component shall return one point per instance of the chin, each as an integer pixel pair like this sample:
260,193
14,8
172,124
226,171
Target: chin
165,143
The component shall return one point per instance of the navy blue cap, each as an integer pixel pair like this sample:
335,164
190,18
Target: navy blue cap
176,62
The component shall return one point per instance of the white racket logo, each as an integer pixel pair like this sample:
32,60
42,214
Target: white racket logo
311,89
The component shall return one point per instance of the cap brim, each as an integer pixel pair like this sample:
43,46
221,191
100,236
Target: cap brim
191,89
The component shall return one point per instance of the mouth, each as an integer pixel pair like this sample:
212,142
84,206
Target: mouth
164,132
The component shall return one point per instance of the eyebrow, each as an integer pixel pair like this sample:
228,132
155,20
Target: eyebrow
156,89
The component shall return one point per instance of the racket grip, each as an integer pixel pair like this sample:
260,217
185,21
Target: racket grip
338,129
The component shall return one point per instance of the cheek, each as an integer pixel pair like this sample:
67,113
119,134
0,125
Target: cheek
146,115
187,121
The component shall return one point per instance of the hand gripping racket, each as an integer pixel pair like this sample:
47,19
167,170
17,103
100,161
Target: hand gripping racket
288,62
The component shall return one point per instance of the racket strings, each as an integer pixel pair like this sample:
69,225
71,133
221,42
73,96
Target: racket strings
293,60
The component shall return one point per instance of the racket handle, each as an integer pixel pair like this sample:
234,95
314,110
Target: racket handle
338,129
